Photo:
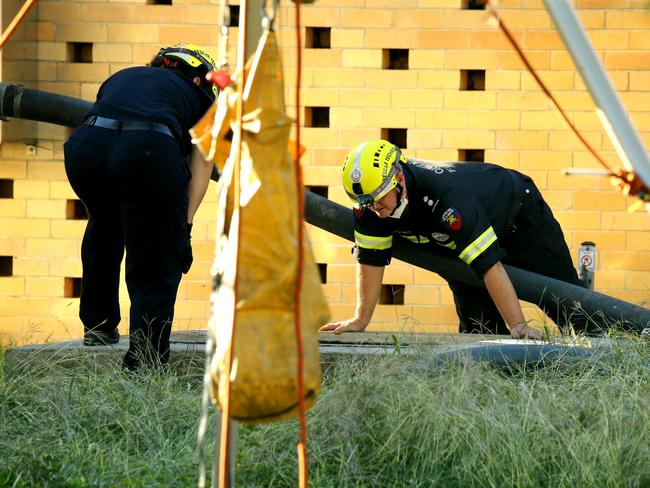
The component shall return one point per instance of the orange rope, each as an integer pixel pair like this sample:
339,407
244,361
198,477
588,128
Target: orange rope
625,181
541,84
224,458
17,20
303,471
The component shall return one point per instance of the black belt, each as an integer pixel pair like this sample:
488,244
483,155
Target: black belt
119,125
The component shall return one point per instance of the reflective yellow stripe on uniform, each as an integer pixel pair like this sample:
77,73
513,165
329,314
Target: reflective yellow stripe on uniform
417,239
450,245
373,242
471,252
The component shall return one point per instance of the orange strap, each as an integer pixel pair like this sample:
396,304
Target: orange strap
303,472
625,181
17,20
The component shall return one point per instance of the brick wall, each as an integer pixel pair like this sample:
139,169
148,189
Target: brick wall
429,74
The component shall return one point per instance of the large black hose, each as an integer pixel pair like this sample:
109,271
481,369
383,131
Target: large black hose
20,102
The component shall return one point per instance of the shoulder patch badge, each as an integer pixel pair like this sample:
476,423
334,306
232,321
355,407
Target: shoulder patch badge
451,218
358,212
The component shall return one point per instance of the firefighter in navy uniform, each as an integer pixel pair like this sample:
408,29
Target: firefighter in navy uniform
481,213
131,163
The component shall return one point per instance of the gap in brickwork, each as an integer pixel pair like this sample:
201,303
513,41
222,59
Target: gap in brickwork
6,188
391,295
6,265
395,136
472,79
322,270
473,5
395,58
318,190
317,116
233,15
472,155
318,37
72,287
75,210
80,52
159,2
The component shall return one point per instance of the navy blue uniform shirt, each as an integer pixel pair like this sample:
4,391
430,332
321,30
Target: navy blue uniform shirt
459,209
156,95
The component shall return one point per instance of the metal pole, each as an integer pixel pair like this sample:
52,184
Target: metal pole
613,116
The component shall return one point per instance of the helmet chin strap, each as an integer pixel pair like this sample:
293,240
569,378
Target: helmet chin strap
401,204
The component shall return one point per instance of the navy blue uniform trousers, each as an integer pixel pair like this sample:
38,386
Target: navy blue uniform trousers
535,243
134,184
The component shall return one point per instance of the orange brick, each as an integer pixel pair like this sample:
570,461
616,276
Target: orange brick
398,274
52,287
625,19
392,118
12,170
65,248
12,286
343,78
70,267
313,97
442,119
12,207
535,140
504,120
68,228
347,38
602,200
554,160
438,79
362,58
346,117
468,139
81,32
491,40
423,138
439,315
472,100
322,58
423,99
108,12
632,60
42,170
125,33
421,295
362,18
426,59
419,18
442,40
45,208
386,38
625,221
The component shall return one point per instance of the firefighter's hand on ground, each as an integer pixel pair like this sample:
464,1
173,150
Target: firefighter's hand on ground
350,325
188,258
523,331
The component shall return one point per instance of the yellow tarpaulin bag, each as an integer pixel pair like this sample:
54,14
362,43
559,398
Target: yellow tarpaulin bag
258,254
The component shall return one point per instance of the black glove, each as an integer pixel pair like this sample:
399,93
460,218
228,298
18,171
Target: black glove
187,255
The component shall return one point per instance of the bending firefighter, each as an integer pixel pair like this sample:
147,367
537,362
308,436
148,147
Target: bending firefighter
481,213
129,162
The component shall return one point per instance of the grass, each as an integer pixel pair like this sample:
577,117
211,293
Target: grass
388,421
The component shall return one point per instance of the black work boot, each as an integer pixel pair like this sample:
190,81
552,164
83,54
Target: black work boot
99,338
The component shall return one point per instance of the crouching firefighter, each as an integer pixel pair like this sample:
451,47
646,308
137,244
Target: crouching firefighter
131,164
481,213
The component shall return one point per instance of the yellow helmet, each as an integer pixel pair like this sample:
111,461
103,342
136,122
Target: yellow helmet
193,57
370,171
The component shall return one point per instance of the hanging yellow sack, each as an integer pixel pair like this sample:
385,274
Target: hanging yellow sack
256,262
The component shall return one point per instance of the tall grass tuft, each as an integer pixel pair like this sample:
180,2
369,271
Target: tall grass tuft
383,421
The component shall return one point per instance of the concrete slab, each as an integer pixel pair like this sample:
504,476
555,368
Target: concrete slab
188,347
